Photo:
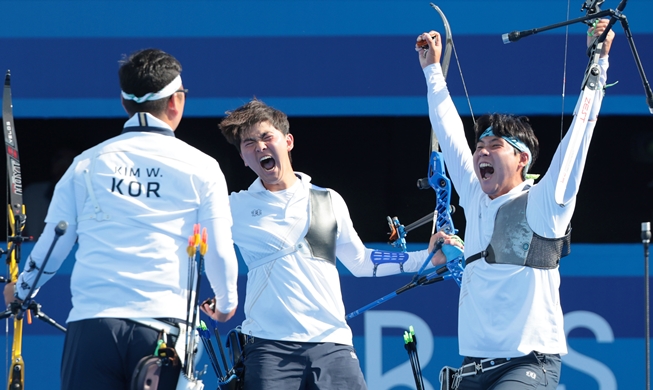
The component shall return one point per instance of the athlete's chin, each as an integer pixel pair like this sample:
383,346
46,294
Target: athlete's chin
270,179
268,174
490,189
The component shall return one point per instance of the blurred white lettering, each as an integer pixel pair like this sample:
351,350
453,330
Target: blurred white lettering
603,332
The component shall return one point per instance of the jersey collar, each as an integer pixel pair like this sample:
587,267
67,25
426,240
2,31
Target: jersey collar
146,122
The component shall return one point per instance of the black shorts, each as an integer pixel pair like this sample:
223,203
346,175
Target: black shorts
102,353
287,365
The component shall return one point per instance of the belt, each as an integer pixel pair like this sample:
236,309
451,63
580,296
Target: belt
482,366
162,326
474,368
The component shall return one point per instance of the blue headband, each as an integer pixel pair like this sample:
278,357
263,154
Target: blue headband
514,142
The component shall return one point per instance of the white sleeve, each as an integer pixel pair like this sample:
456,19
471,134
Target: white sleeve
353,254
221,264
448,128
38,255
544,215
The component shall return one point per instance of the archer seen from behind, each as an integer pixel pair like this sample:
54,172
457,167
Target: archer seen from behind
290,232
510,323
131,202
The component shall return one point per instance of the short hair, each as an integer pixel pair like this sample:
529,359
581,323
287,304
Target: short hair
509,126
145,71
240,120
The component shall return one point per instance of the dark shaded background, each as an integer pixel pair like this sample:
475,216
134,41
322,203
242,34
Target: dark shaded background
374,162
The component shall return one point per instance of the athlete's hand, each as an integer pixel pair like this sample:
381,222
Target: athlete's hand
444,239
429,47
208,307
596,31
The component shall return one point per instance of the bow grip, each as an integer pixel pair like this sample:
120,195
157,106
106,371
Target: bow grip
442,187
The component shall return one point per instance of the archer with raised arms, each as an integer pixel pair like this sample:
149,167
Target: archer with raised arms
510,323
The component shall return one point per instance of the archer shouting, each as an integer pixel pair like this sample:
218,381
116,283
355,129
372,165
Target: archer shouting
510,323
290,232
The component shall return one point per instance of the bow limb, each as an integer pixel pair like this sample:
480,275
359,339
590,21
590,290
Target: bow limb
397,231
437,179
446,57
16,221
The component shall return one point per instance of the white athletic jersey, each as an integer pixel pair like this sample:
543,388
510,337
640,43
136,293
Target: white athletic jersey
506,310
132,201
297,297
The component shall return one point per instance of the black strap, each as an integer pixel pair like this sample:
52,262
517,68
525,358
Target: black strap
475,257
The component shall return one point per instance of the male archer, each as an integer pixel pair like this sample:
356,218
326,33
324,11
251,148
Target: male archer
510,323
132,202
290,233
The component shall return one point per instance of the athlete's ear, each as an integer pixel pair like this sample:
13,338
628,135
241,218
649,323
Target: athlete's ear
523,159
175,108
122,102
290,141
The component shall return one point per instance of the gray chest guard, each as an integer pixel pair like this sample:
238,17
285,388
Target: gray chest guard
322,228
320,238
514,242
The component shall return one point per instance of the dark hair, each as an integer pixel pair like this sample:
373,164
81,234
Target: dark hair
240,120
145,71
510,126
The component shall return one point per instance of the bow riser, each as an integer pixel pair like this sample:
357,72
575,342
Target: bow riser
443,222
442,187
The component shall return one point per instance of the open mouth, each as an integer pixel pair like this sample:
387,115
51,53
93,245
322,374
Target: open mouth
486,170
267,163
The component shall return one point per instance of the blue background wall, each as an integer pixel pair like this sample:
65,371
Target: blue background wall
355,58
314,57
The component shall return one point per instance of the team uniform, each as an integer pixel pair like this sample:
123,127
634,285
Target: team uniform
293,295
131,202
507,311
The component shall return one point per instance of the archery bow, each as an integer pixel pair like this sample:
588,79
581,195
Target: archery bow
398,232
16,217
591,77
436,178
441,217
594,12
